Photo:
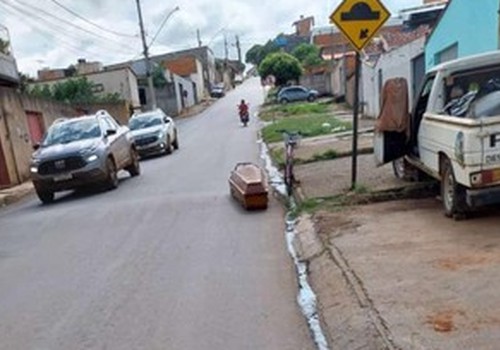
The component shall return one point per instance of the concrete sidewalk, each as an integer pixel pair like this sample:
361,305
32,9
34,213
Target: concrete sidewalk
16,193
329,178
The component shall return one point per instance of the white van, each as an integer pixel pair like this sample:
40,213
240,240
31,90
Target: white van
454,133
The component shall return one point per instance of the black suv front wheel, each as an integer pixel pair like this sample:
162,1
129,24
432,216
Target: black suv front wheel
112,180
45,196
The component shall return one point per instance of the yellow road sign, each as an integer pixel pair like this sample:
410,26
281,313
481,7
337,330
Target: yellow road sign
360,20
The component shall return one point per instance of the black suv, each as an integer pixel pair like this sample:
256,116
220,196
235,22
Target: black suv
80,151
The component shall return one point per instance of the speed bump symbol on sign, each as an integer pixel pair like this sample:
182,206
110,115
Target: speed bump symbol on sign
361,12
360,20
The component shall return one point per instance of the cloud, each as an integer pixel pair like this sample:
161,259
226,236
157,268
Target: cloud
39,44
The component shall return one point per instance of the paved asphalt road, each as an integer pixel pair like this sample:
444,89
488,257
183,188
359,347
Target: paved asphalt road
166,261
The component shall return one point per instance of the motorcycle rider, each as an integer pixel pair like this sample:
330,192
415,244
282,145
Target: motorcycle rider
243,108
244,115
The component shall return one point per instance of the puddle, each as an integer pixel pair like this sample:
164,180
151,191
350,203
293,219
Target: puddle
306,298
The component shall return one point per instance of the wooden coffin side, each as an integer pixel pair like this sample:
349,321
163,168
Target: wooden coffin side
249,179
248,185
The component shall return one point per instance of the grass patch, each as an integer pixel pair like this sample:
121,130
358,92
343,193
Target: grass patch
312,205
308,126
362,195
281,111
278,157
328,155
361,189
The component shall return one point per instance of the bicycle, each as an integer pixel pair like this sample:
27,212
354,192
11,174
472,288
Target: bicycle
291,140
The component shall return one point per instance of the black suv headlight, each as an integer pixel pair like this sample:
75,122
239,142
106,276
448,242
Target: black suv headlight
35,162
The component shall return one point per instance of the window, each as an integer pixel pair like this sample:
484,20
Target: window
447,54
474,93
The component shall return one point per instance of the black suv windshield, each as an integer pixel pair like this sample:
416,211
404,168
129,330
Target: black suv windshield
71,131
144,122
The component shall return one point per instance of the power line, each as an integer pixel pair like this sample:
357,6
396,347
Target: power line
162,25
90,22
101,37
49,32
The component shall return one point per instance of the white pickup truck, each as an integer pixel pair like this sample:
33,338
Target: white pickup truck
454,133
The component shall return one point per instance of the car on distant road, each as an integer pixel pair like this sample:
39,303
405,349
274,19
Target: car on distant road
154,133
82,151
296,93
217,91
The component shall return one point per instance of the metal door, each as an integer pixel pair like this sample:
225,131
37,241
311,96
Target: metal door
418,75
36,126
4,174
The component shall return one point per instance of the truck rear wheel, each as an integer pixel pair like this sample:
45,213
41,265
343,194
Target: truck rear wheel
452,193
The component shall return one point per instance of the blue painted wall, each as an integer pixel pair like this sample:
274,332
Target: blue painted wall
472,24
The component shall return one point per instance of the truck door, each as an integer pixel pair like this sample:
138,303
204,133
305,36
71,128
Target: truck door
392,145
393,123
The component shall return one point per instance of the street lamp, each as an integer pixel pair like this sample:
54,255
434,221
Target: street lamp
146,49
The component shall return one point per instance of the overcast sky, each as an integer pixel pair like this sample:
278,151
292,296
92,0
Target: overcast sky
43,34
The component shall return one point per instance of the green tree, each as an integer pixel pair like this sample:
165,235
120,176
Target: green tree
41,91
258,53
282,66
159,80
253,55
308,55
24,80
73,91
78,90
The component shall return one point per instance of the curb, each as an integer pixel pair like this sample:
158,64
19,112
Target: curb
9,197
411,191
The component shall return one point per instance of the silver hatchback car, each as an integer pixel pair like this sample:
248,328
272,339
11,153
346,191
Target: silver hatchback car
154,133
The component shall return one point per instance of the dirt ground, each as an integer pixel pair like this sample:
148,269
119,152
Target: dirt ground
399,275
330,178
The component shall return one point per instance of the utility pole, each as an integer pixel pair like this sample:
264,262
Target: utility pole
146,56
199,37
238,47
226,50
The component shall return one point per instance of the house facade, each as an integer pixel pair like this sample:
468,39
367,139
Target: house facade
393,55
188,67
203,54
174,97
465,28
121,81
23,122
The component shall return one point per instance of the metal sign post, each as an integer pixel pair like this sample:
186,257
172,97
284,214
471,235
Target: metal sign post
355,123
359,21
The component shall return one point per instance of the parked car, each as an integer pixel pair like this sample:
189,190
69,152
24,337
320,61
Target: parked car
154,133
82,151
296,93
238,79
217,91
